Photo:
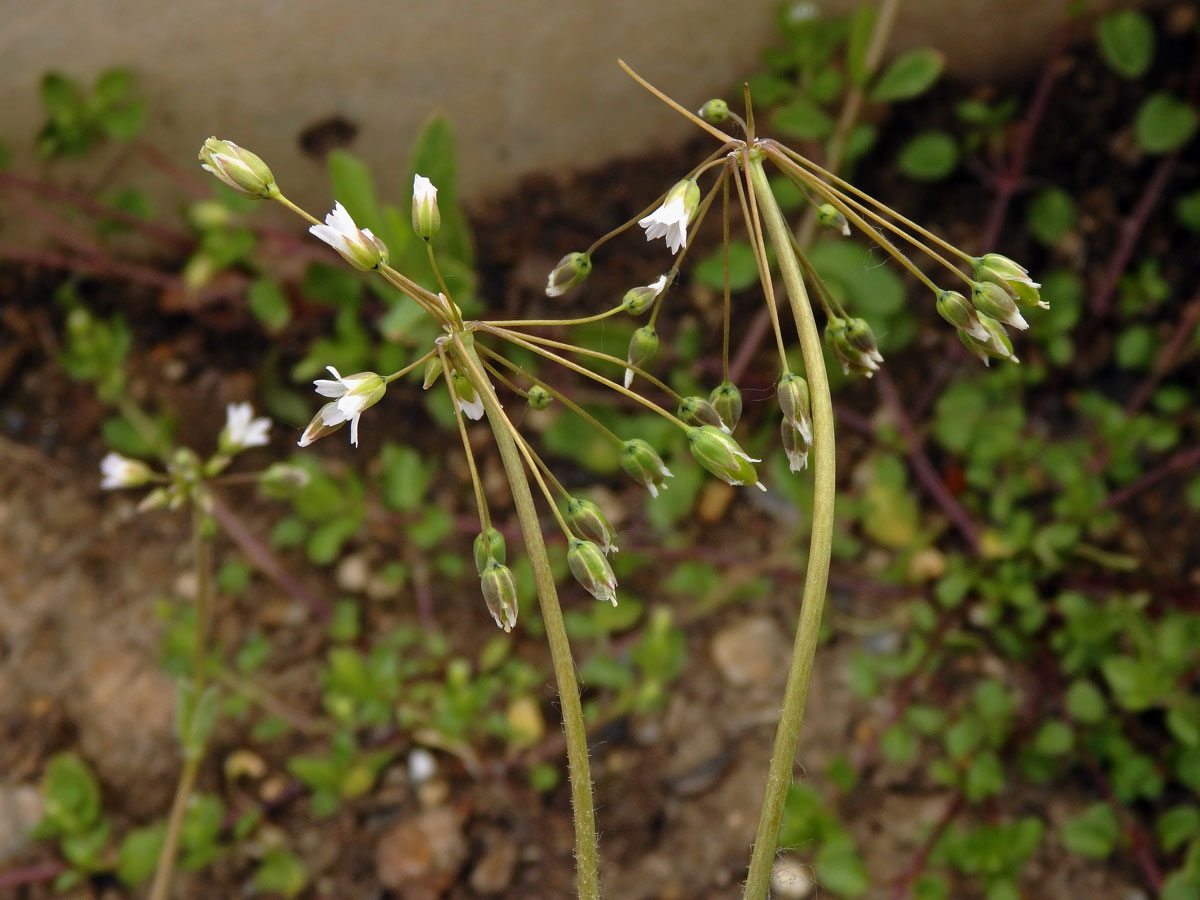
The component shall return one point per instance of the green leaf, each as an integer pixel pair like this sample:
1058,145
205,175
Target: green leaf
138,854
803,119
929,156
60,96
1164,123
1051,215
354,188
1135,347
840,869
70,794
124,123
268,303
743,270
281,872
1187,207
1092,833
406,477
1054,738
908,76
1126,40
862,24
1177,826
984,777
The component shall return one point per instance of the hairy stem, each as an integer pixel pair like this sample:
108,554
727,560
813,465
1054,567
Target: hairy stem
779,775
587,867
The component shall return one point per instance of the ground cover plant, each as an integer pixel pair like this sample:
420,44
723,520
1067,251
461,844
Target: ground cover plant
1028,663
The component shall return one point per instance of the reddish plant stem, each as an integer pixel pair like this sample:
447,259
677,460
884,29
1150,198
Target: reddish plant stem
906,878
1139,841
266,561
15,878
1131,231
1166,356
918,460
99,266
1008,182
1182,461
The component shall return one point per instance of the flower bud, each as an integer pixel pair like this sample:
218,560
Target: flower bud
829,216
642,347
994,301
591,569
282,481
433,371
570,271
426,217
238,169
639,299
852,358
955,309
587,519
643,465
795,445
698,411
722,455
1011,276
794,401
469,401
998,345
500,593
715,111
117,471
489,545
726,399
538,397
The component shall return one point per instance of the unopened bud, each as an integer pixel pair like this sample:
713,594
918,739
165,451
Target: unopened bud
829,216
698,411
433,371
642,347
426,217
715,111
239,169
588,520
643,465
639,299
1011,276
992,300
489,545
958,311
852,358
500,593
997,346
570,271
723,456
591,569
726,399
795,402
282,481
538,397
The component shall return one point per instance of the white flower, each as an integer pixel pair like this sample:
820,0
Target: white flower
357,246
671,220
426,217
119,471
467,398
242,430
352,395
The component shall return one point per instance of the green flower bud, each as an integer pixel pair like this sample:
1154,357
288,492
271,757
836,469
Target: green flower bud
643,465
852,358
726,399
1011,276
489,545
829,216
433,371
237,168
795,445
588,520
642,347
538,397
591,569
992,300
794,401
282,481
715,111
955,309
500,593
639,299
426,217
998,346
721,455
698,411
570,271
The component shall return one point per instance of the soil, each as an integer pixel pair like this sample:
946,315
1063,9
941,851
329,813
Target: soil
677,793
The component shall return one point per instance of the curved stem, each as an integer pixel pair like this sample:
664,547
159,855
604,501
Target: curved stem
783,754
587,866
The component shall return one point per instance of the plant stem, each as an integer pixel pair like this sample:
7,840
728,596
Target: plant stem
779,775
202,561
587,866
